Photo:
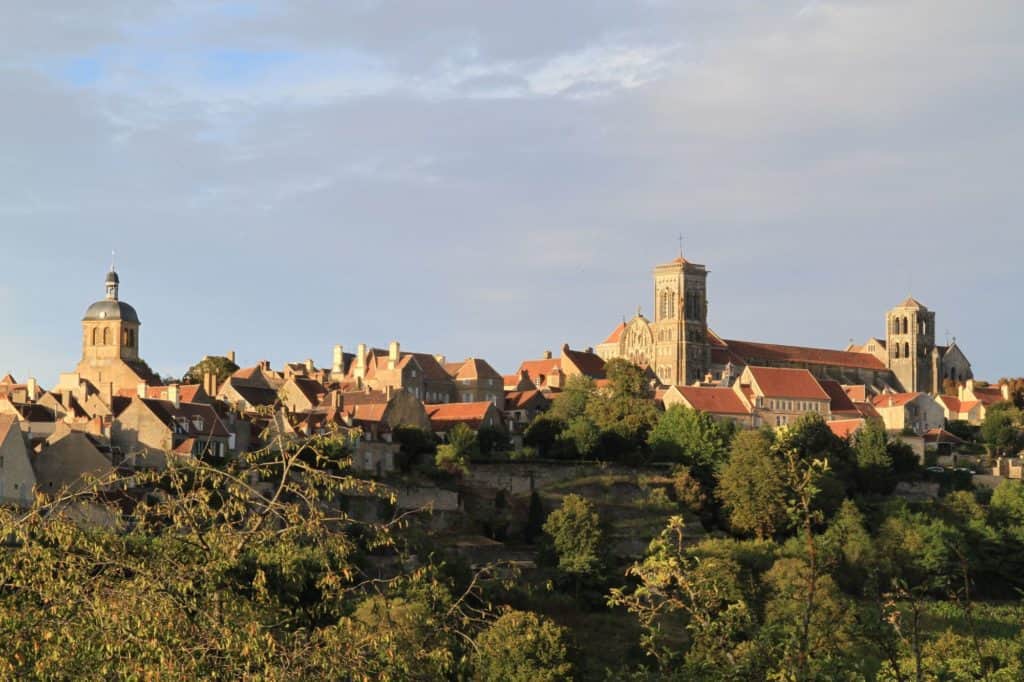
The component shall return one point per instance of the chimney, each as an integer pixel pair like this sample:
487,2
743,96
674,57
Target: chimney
210,383
173,395
231,356
1003,388
338,366
565,349
393,350
441,360
388,391
361,362
32,389
310,367
65,399
140,389
265,365
589,350
336,399
547,355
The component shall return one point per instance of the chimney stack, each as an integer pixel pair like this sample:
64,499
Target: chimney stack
441,360
32,389
174,395
547,355
140,389
361,362
338,366
231,356
1003,388
388,391
310,366
393,350
336,399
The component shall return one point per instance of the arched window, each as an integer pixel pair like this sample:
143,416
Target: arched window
905,327
906,350
896,352
895,325
95,336
106,336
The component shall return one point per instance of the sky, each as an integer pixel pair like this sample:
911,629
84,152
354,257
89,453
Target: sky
497,179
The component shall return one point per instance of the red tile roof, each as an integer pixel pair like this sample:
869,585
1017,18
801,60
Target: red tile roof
894,399
751,352
844,428
540,370
840,400
941,436
858,393
445,415
519,400
714,400
475,368
989,396
616,334
776,382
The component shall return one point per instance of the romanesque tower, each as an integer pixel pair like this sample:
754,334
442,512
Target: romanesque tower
910,342
681,351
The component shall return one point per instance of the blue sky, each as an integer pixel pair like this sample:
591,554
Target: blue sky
495,179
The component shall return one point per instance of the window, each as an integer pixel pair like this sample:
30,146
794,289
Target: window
906,350
95,336
106,336
896,351
906,329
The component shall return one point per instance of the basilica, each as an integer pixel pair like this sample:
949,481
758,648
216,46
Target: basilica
681,350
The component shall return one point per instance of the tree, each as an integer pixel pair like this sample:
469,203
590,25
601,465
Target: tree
689,490
582,435
752,486
691,437
543,432
462,446
1000,427
572,402
535,518
492,440
575,532
220,366
625,408
521,647
874,466
706,592
1007,504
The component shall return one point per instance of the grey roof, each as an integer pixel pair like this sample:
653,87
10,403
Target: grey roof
111,310
112,278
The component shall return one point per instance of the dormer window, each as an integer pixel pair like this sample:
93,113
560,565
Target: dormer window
197,422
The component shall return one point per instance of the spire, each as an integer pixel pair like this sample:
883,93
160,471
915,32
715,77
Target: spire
112,283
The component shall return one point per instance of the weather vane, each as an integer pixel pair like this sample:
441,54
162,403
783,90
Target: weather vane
680,244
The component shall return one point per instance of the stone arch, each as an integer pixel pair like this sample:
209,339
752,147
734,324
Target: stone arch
95,336
906,328
106,336
906,350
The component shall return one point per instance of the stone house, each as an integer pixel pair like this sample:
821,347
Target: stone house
68,458
300,394
421,374
780,396
522,407
917,412
149,430
958,410
476,381
17,478
551,374
719,402
474,415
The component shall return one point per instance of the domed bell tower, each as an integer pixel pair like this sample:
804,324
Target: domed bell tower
110,328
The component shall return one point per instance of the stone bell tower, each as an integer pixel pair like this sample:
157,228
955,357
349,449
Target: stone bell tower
682,354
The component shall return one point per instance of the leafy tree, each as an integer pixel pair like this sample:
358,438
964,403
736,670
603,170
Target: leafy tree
689,490
706,592
572,402
849,548
492,439
1007,505
521,647
543,432
1000,427
582,435
691,437
462,446
221,367
535,518
575,532
874,466
752,486
624,408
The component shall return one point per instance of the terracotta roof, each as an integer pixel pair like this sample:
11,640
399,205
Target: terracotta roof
844,428
186,392
185,446
894,399
989,395
941,436
867,410
776,382
518,400
714,400
751,352
368,412
912,302
7,421
840,400
536,369
858,393
475,368
616,334
589,364
950,402
313,390
445,415
432,369
167,413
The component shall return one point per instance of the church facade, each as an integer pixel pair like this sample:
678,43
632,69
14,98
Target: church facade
680,348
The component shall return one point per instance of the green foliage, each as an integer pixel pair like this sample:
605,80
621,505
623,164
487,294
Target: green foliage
691,437
521,647
219,366
543,432
582,436
1000,429
462,446
874,466
572,402
625,410
689,490
575,532
492,440
1007,504
752,486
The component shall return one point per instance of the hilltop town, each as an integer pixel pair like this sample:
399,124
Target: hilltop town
112,412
